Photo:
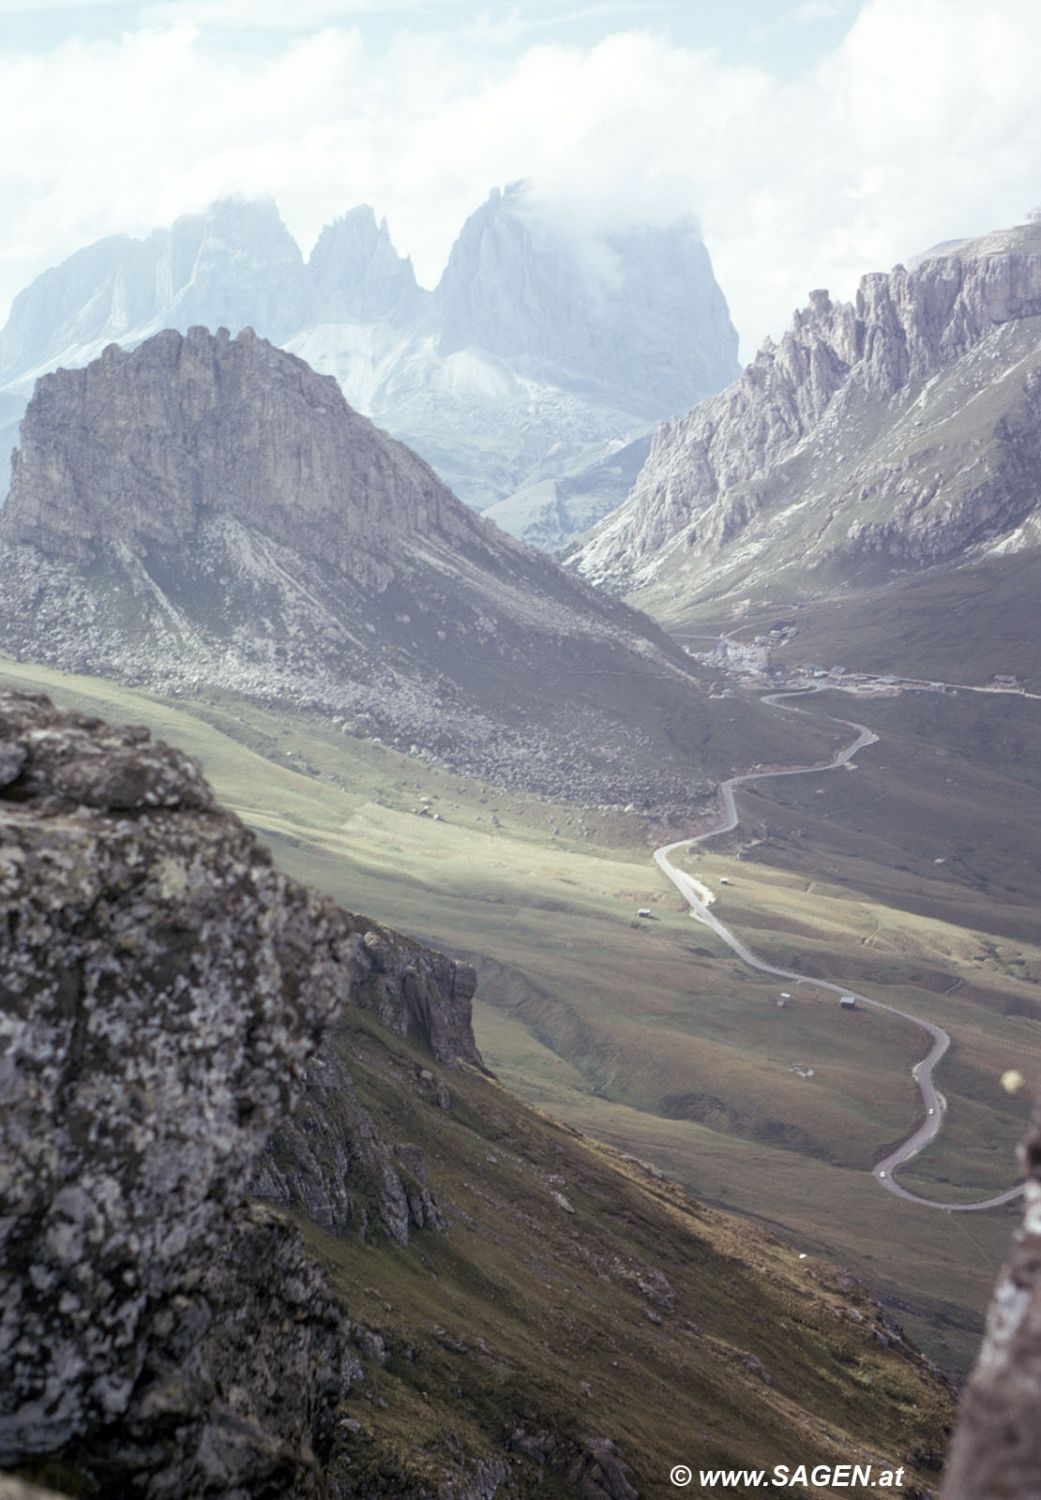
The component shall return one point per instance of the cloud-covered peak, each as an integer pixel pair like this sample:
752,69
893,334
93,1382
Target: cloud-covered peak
635,310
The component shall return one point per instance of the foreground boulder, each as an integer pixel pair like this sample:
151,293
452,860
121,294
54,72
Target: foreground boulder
997,1442
162,989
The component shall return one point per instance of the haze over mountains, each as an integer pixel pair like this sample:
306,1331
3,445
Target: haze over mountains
525,377
878,440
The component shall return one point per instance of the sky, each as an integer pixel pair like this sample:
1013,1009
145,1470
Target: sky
813,140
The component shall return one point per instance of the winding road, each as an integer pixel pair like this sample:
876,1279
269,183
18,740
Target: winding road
700,900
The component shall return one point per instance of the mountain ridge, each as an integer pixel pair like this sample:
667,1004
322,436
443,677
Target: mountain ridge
515,368
893,433
208,511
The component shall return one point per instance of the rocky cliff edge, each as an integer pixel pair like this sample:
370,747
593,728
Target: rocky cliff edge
165,991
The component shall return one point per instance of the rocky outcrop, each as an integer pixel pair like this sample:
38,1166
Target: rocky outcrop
331,1163
592,1466
213,425
164,992
207,512
358,276
996,1448
163,988
245,1363
330,1160
863,438
415,991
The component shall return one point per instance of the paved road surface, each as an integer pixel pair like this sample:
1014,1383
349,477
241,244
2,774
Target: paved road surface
700,901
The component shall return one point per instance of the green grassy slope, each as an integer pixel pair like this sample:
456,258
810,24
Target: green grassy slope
629,1311
963,625
648,1033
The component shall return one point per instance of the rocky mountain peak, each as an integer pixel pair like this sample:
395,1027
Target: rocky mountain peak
208,510
545,349
357,273
235,264
140,447
840,374
621,309
238,224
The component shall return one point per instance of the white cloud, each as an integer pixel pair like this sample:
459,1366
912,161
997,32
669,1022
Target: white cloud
921,126
278,15
816,10
29,7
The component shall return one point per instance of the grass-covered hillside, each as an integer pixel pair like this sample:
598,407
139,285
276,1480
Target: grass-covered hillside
577,1295
644,1031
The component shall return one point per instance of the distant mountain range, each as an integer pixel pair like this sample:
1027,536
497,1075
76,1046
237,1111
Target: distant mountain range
526,377
880,441
208,513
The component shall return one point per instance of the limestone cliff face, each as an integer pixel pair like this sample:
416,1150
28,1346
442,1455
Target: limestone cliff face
164,995
330,1160
144,447
634,315
208,512
900,428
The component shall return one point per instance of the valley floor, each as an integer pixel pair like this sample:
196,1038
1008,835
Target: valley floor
647,1032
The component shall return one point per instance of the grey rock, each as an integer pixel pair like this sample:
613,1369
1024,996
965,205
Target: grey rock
163,989
996,1448
330,1162
598,1473
858,446
235,264
18,1489
358,276
416,992
637,311
592,1466
485,1479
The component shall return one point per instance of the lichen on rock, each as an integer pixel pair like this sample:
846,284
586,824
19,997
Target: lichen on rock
996,1449
163,987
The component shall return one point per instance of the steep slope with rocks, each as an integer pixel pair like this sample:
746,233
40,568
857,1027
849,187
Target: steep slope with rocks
208,512
549,512
888,436
163,988
541,351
